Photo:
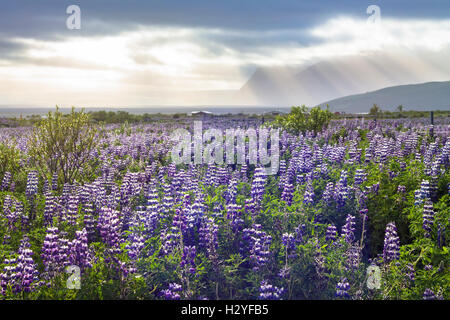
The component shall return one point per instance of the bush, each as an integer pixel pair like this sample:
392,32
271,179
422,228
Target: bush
300,119
62,144
9,159
375,110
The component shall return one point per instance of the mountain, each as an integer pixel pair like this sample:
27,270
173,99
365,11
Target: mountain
330,79
423,96
269,86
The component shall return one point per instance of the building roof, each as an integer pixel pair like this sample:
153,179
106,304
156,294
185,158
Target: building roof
274,112
195,112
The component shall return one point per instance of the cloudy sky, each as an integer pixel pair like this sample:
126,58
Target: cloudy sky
165,52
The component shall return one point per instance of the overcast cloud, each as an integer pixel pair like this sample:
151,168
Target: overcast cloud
162,52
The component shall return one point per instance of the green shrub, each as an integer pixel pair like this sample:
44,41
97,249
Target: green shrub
302,119
9,159
62,143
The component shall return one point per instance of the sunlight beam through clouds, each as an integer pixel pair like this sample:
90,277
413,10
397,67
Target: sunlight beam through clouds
155,65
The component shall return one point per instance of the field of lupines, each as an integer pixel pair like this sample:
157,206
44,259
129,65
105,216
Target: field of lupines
360,210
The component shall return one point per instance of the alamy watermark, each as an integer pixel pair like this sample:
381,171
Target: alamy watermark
73,22
373,277
188,150
375,14
74,281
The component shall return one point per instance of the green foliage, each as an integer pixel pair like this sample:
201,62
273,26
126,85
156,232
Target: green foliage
342,133
61,144
302,119
310,269
375,110
9,159
124,116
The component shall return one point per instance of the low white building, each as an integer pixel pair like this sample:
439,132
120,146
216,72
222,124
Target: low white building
201,114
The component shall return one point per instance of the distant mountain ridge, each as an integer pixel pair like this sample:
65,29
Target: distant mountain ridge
334,78
423,96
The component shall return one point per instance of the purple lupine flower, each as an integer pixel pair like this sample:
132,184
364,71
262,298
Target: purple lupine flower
230,194
217,210
424,190
208,238
211,177
258,185
89,220
417,198
353,255
72,209
342,289
32,185
331,233
152,200
401,189
150,220
64,253
428,218
429,295
7,276
49,209
195,213
6,181
300,233
250,207
45,188
26,270
170,240
223,175
285,272
360,176
288,241
78,251
166,204
341,190
55,182
282,167
149,171
410,272
257,242
328,193
244,169
287,194
173,293
376,187
7,202
391,250
66,192
363,213
50,252
348,230
269,292
137,243
109,226
392,174
234,214
361,197
10,214
188,259
308,197
179,219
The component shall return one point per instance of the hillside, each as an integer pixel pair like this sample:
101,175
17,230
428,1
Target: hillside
423,96
330,79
